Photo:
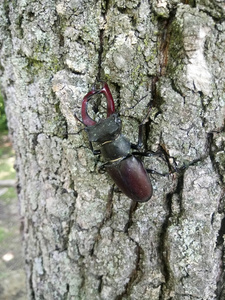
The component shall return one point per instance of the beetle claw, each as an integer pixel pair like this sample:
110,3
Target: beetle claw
102,169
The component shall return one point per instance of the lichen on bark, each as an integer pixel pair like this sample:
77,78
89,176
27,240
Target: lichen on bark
83,239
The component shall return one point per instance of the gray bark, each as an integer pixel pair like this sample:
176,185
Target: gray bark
82,238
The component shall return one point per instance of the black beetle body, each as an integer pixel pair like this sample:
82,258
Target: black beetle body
125,169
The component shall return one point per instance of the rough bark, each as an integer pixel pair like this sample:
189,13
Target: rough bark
82,238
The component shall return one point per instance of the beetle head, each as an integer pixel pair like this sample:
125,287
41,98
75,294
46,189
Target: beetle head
105,130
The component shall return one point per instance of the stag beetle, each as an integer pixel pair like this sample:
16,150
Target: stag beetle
126,170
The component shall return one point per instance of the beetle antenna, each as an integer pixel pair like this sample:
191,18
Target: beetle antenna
136,103
150,104
74,133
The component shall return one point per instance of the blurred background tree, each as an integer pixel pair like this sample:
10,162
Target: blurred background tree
3,121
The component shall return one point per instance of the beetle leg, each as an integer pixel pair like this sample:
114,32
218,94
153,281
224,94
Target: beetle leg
140,139
150,153
141,130
95,152
169,160
102,169
166,174
134,146
155,172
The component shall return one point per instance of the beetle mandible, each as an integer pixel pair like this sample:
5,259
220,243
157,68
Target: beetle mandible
126,170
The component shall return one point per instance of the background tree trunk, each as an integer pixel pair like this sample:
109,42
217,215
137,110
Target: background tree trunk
82,238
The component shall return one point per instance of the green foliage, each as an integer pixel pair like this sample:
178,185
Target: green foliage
2,234
3,121
9,195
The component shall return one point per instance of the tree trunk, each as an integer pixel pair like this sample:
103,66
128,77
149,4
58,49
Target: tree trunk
86,240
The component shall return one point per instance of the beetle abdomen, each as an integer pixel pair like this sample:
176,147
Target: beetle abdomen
131,177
